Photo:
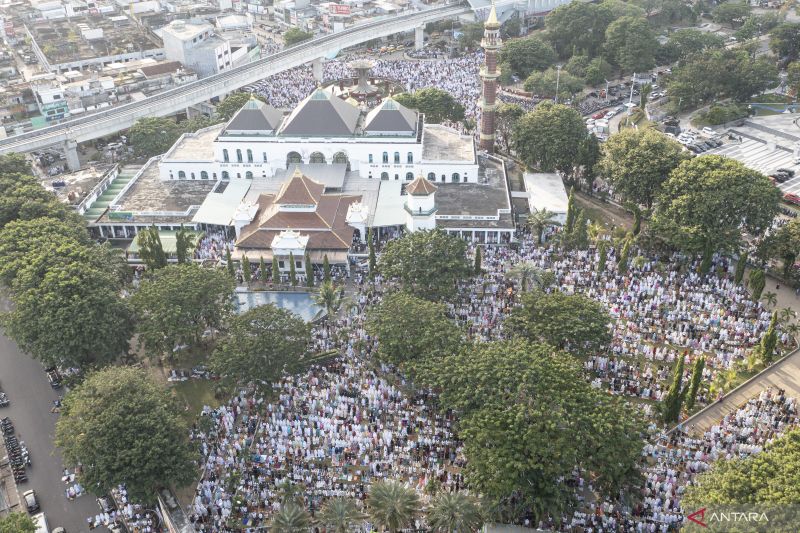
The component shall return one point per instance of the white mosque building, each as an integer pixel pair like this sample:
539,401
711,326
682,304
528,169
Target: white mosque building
314,180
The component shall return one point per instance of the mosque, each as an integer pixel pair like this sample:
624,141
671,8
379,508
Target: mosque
313,181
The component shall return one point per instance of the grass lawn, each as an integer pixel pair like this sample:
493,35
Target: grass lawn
194,394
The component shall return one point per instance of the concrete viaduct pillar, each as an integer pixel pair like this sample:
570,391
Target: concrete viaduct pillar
419,38
71,153
316,69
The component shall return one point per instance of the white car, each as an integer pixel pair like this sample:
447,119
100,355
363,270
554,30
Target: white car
709,131
610,114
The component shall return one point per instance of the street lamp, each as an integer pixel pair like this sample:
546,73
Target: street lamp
558,79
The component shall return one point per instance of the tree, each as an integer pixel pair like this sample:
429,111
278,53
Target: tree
392,506
644,92
151,251
580,235
17,523
785,244
637,162
769,341
540,219
72,317
410,329
686,42
229,265
769,477
184,244
528,419
233,103
436,104
326,269
527,54
178,304
708,201
546,138
329,297
309,271
262,269
578,28
589,155
471,34
571,322
510,28
731,13
740,266
526,274
770,299
572,212
694,384
101,427
340,515
18,238
478,268
602,249
454,512
622,264
295,35
292,271
14,164
291,518
631,44
276,272
545,84
671,405
247,274
784,40
24,198
261,344
427,263
597,72
757,281
506,117
151,136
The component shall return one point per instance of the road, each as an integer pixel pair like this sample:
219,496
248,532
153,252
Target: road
24,380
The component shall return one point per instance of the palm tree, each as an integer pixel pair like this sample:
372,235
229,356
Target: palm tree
291,518
787,314
340,515
595,231
770,299
525,272
454,512
792,329
329,297
541,219
392,506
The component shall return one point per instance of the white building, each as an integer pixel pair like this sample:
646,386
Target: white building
197,46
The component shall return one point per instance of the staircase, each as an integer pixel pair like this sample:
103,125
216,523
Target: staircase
99,206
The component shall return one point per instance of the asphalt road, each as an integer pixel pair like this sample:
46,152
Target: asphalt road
25,382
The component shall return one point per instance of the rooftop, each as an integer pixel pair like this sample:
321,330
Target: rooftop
198,146
150,199
446,144
484,198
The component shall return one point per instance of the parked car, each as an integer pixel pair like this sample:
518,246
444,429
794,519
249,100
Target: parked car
788,171
53,377
31,502
709,131
599,115
792,198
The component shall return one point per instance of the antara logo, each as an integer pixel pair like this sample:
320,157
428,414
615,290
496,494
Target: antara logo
699,516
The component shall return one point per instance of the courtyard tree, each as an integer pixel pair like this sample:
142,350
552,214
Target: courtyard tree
539,220
22,197
436,104
392,506
741,264
178,305
247,274
17,522
292,271
276,271
769,477
637,162
671,405
769,341
571,322
262,269
151,250
329,297
101,427
73,317
233,103
784,40
527,54
631,44
478,265
578,28
14,164
589,155
784,244
184,244
528,419
694,383
291,518
707,202
451,512
340,515
326,269
731,13
549,84
757,281
410,329
230,266
309,271
427,263
506,117
546,138
261,344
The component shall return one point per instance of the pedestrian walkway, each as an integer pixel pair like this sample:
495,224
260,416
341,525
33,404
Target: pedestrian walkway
785,374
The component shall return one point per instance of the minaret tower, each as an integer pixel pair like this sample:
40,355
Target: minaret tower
491,43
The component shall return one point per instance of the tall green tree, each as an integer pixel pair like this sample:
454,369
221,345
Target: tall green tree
22,197
329,297
578,27
580,236
478,266
17,522
178,304
295,35
151,136
546,138
262,269
707,202
276,272
637,162
671,405
602,249
326,269
631,44
398,315
732,13
372,260
292,271
769,341
102,425
392,506
73,317
14,164
589,155
757,281
233,103
230,266
261,344
622,264
184,245
784,40
436,104
785,244
151,250
696,380
528,419
340,515
247,274
527,54
571,322
309,271
550,83
454,512
540,219
427,263
741,264
572,212
506,118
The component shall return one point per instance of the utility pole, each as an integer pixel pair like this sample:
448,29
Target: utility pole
558,79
